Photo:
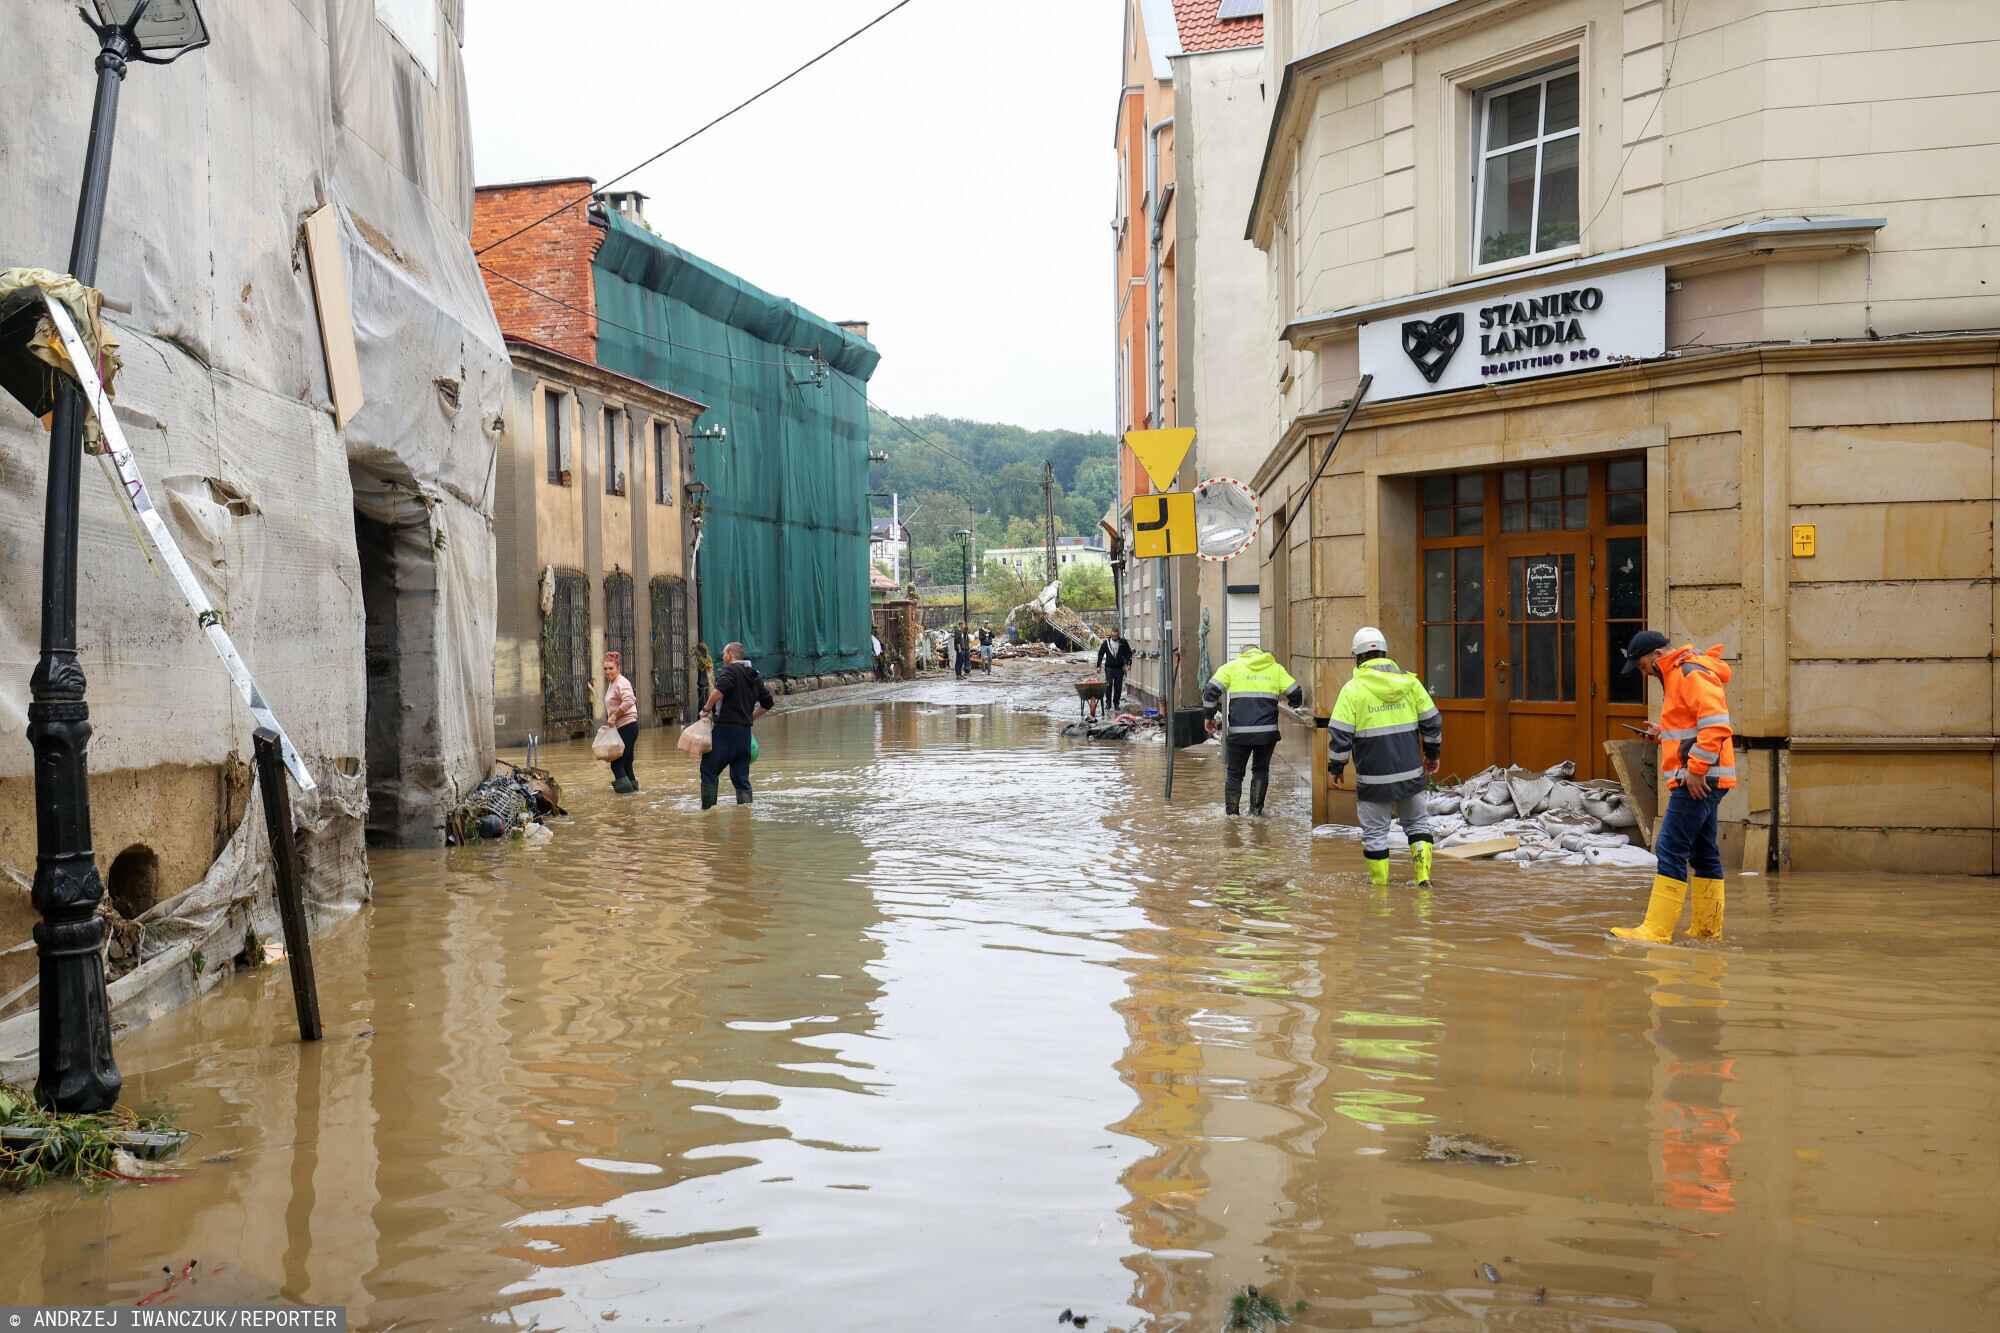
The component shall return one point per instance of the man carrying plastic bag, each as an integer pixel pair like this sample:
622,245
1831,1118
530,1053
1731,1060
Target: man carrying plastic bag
739,698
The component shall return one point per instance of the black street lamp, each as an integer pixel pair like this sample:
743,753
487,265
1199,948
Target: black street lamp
77,1071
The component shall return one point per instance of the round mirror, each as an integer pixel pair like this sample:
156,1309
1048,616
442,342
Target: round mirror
1225,518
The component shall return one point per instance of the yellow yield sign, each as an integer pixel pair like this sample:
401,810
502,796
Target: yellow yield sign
1163,524
1160,452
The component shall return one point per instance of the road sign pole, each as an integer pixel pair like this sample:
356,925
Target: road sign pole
1165,599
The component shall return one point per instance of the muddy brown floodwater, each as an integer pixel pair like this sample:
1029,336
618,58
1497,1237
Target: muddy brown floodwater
962,1025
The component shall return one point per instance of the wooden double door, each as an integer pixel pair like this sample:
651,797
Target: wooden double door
1532,581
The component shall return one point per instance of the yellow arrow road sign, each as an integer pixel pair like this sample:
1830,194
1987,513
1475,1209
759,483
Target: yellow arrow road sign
1160,452
1163,524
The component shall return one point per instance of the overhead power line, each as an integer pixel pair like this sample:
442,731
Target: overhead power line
908,429
697,133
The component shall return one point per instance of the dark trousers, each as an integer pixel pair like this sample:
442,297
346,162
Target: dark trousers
1114,687
964,664
731,750
621,767
1685,838
1236,758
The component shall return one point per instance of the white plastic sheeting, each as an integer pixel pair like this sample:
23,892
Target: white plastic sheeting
218,159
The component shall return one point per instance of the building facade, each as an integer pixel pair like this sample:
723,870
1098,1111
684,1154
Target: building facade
594,525
1143,302
1189,307
1669,312
781,447
1220,111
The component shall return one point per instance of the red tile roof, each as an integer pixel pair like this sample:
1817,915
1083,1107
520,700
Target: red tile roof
1201,30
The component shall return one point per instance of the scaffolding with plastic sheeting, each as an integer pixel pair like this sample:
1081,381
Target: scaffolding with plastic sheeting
783,565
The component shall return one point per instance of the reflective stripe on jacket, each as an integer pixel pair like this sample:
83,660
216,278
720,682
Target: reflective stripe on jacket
1253,682
1695,733
1385,724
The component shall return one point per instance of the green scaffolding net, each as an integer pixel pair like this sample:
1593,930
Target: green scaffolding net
784,556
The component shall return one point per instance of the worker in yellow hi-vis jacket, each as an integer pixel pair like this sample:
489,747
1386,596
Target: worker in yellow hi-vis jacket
1385,724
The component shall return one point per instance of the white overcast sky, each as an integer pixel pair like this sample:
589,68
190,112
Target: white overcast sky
948,176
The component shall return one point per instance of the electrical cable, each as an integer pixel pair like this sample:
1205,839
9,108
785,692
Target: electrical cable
1666,82
907,428
697,133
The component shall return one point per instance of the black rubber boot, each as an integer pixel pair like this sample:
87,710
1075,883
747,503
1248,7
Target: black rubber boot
1258,786
742,796
1232,798
709,791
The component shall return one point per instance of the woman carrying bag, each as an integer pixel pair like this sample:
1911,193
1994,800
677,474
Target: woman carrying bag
621,714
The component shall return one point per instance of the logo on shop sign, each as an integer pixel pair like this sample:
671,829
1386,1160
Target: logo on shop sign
1429,343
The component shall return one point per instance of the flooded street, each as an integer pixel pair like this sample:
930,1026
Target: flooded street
961,1025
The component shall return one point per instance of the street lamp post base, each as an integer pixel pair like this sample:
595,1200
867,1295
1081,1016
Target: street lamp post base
77,1071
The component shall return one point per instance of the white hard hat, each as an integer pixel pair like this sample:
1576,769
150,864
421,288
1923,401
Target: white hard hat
1368,639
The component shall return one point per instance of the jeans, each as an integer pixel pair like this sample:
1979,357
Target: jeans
730,750
1686,836
1114,689
1377,816
621,767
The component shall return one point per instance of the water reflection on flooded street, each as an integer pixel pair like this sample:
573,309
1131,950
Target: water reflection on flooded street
962,1025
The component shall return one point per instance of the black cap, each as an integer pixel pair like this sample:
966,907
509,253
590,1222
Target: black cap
1645,641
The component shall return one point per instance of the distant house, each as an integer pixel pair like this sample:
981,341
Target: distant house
1070,552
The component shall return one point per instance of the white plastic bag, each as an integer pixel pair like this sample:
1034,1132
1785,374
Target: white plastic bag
698,736
608,745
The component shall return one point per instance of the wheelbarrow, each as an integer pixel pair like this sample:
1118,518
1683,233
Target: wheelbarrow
1089,694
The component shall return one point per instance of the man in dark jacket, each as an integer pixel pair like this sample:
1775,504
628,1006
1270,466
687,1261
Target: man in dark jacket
739,698
1114,659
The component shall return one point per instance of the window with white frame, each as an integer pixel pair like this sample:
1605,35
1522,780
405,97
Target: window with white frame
1527,173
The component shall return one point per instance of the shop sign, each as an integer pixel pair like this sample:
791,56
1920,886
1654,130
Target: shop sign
1576,324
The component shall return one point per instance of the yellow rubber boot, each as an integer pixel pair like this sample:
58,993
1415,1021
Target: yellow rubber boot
1663,912
1378,870
1705,919
1420,861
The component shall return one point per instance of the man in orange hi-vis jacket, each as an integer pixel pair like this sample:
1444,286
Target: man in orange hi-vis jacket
1698,764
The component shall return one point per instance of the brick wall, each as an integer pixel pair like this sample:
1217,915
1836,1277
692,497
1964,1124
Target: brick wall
553,258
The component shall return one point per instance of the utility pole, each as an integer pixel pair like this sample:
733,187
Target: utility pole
1049,521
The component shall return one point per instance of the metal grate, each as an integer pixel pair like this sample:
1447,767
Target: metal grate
566,667
670,642
618,633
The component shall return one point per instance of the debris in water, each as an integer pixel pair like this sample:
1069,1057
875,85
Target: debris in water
1489,1272
1461,1148
1541,1295
1253,1310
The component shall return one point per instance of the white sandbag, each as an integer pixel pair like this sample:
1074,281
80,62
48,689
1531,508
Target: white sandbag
1487,812
1637,858
608,745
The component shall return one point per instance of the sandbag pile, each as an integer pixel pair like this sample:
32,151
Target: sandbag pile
1555,819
